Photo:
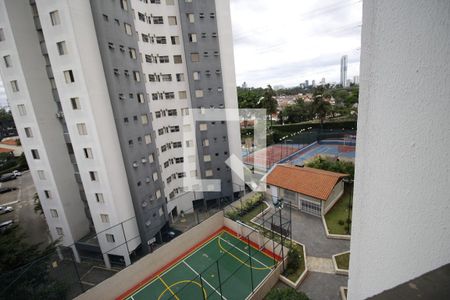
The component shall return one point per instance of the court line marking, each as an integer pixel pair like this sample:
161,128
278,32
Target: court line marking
168,288
185,281
240,260
175,265
192,269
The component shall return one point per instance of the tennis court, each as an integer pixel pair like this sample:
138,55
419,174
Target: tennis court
221,267
265,158
332,148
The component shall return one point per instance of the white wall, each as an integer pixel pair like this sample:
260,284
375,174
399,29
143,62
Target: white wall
401,215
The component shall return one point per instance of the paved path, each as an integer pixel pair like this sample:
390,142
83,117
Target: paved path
319,264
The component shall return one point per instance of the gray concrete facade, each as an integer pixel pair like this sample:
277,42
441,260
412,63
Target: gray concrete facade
124,90
211,82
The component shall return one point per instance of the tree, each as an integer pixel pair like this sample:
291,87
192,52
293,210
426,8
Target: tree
286,294
293,260
345,167
320,106
37,205
297,113
269,102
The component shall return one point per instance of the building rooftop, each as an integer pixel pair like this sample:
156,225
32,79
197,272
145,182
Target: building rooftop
307,181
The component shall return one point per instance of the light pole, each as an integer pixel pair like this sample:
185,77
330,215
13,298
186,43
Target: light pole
350,182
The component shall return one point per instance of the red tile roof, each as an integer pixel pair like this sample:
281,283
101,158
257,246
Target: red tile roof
9,142
4,150
307,181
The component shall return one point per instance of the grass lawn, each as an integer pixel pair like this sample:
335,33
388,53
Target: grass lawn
253,213
339,212
301,268
342,260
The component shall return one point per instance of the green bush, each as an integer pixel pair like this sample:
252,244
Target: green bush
293,260
341,222
326,164
286,294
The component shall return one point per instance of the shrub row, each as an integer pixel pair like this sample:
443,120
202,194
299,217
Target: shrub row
246,207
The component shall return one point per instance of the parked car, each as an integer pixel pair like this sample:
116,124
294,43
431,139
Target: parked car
5,209
7,177
17,173
5,225
170,234
7,189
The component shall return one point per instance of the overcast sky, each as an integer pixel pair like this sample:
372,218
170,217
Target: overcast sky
286,42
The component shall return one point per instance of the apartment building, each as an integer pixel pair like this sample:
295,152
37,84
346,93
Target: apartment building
101,92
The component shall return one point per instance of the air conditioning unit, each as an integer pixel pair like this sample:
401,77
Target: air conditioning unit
60,115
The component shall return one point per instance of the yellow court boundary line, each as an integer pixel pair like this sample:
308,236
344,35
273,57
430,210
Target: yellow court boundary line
238,259
175,265
168,288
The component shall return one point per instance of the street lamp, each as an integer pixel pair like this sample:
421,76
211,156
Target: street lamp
349,181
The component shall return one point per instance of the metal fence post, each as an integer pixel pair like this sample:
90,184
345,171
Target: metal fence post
203,289
220,281
251,267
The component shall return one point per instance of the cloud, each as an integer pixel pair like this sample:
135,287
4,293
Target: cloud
290,41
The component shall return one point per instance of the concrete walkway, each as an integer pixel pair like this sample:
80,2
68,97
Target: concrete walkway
319,264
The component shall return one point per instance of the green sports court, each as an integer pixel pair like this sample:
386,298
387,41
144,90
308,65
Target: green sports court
222,267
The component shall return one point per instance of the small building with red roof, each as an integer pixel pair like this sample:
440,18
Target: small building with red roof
313,191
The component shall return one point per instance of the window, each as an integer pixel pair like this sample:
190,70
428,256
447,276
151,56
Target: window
28,132
199,93
182,94
2,35
54,18
54,213
75,103
141,98
161,40
177,59
128,29
99,198
144,119
59,231
208,173
7,60
206,158
104,218
196,75
105,18
153,78
214,34
189,143
177,145
93,175
170,2
172,20
202,15
180,77
68,75
35,154
169,95
124,4
175,40
205,142
203,127
166,77
195,57
191,18
151,158
14,86
212,15
132,52
41,174
88,153
164,59
175,128
62,48
158,20
47,194
155,176
141,17
158,194
110,238
148,139
137,76
82,129
192,37
205,54
185,111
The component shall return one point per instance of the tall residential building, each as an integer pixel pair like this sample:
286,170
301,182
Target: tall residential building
344,70
100,91
356,80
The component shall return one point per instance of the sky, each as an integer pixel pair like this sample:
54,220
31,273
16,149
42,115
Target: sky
286,42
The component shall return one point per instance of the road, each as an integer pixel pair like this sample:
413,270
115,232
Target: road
22,201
